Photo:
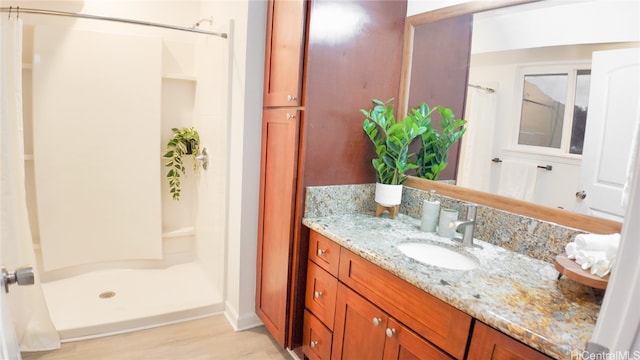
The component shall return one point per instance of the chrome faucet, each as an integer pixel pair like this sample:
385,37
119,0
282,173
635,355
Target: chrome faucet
469,225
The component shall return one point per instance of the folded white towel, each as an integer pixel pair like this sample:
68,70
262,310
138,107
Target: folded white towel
612,252
571,250
586,258
602,267
596,241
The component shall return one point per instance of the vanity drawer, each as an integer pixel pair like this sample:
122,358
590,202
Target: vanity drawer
316,340
320,295
324,252
428,316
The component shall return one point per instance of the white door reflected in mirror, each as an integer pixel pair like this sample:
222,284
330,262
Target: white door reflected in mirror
614,110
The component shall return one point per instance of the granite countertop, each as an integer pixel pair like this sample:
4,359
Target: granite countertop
513,293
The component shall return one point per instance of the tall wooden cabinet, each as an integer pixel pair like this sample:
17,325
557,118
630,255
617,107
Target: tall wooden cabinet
321,77
279,161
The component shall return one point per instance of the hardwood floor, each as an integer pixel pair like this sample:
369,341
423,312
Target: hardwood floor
204,339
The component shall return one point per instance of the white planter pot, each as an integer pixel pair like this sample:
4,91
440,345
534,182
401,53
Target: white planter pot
388,195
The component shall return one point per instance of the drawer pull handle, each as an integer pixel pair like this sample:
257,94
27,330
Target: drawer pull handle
321,252
289,116
291,98
313,344
390,332
377,321
317,294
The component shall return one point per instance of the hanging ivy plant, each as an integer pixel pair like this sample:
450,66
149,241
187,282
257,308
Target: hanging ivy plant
185,141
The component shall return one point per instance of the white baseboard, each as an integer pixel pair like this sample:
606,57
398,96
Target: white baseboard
241,322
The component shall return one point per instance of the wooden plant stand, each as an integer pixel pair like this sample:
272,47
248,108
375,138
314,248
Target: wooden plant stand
393,210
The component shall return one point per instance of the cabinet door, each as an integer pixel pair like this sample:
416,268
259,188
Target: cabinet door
285,49
275,223
490,344
404,344
359,331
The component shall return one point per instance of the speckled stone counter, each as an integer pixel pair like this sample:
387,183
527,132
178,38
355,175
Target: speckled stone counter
511,292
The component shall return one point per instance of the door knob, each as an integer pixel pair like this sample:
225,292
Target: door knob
22,276
581,194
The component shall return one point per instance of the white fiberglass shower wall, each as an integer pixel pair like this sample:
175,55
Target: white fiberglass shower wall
100,100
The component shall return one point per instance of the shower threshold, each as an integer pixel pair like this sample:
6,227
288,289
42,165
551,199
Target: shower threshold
108,302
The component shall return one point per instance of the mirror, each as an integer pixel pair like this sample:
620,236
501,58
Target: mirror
499,65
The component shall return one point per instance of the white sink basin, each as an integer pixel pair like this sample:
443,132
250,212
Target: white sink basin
439,256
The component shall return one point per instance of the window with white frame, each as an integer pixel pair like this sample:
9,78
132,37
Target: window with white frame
553,108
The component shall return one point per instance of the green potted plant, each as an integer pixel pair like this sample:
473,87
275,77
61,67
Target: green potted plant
391,140
434,149
185,141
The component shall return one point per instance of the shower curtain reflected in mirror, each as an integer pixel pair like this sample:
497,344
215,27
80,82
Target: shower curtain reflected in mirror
474,167
32,323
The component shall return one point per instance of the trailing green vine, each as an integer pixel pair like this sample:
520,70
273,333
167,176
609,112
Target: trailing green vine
185,141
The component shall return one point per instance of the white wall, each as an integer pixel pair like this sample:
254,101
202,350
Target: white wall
585,22
419,6
244,138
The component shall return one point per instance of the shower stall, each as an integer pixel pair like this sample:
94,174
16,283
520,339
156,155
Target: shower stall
100,96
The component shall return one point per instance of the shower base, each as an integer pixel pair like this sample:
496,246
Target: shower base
107,302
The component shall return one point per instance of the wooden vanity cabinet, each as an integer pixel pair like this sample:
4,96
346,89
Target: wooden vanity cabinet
490,344
357,310
436,321
364,331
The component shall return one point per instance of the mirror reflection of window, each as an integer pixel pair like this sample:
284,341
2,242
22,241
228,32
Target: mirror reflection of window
554,109
580,108
543,104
